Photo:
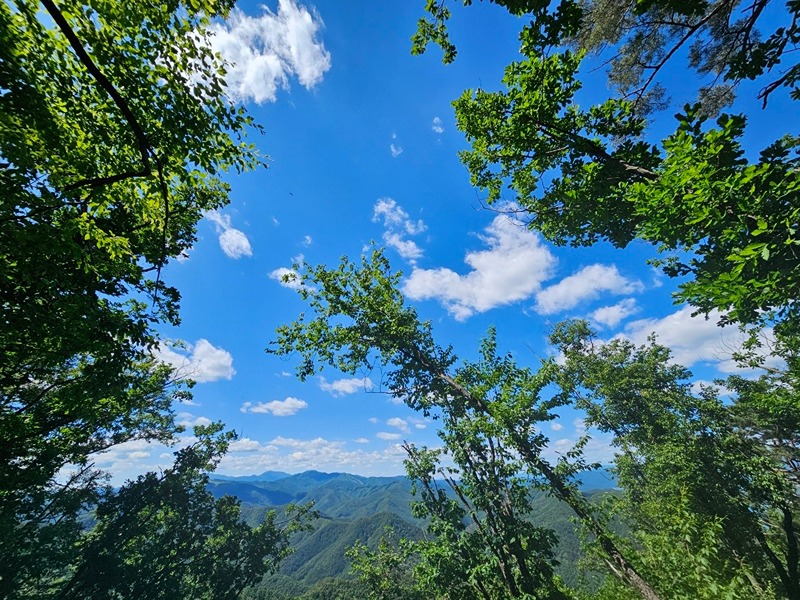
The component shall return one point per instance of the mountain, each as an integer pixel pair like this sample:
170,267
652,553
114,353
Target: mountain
335,495
355,508
265,476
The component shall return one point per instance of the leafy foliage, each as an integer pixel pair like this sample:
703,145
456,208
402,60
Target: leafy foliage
165,536
726,221
730,479
113,127
491,412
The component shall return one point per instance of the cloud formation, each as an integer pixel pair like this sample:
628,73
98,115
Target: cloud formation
294,455
277,408
586,284
234,242
398,226
436,126
202,362
511,269
341,387
264,52
288,278
399,423
188,420
691,339
611,316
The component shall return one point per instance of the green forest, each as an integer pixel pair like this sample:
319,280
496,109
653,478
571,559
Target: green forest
116,137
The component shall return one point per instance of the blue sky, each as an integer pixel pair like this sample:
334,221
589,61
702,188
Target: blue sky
362,146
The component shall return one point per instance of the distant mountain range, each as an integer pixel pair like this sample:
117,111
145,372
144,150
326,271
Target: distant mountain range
331,490
355,508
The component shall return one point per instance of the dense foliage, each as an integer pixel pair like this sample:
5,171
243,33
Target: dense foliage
725,215
678,453
113,127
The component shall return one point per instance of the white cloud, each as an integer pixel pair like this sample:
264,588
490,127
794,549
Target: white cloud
294,455
278,408
341,387
598,449
418,423
307,241
395,150
398,226
361,440
264,52
512,269
436,126
395,217
556,426
234,243
288,278
611,316
188,420
373,419
586,284
244,445
385,435
695,339
699,384
202,362
399,423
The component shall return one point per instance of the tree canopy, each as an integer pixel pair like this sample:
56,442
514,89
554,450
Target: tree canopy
703,487
114,128
725,215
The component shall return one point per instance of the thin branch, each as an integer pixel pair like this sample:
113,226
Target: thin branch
141,139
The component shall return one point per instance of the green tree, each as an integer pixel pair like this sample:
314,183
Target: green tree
360,322
725,215
708,486
113,127
387,573
680,453
165,536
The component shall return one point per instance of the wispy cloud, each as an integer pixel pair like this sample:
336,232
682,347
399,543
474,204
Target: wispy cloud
395,150
278,408
386,435
234,242
511,269
202,362
692,339
398,226
264,52
293,455
189,420
586,284
437,126
341,387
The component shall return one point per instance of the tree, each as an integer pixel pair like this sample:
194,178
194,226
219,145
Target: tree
360,322
725,216
165,536
387,573
680,453
113,127
717,464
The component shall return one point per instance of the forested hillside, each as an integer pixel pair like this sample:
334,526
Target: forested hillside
361,512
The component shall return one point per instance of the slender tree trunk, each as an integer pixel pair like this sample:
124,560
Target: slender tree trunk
621,567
